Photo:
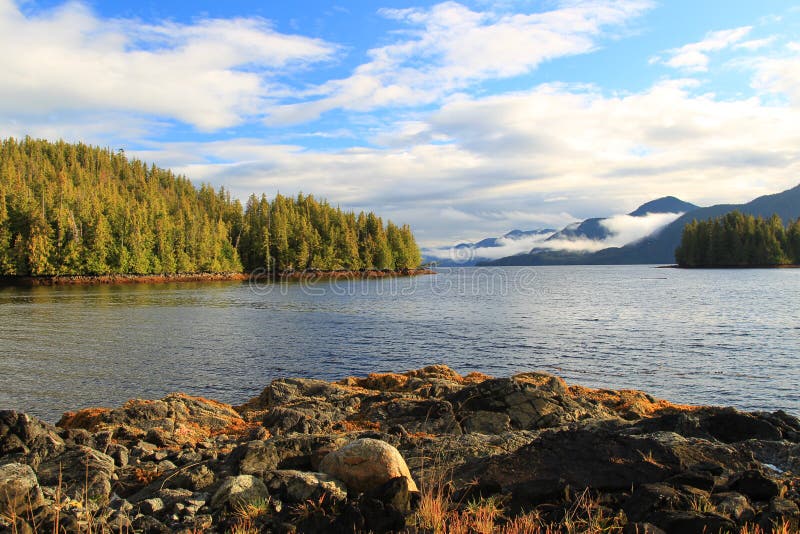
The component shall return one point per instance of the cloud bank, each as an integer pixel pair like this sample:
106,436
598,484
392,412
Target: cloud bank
624,229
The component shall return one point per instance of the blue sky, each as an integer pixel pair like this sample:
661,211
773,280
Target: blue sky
464,119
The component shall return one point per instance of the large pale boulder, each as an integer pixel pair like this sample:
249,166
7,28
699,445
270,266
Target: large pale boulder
19,489
366,464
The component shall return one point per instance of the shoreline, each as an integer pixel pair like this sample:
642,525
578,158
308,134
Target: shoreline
730,267
117,279
376,453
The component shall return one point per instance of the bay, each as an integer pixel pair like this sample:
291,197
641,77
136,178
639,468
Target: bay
728,337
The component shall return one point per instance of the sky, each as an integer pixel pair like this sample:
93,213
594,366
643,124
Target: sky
463,119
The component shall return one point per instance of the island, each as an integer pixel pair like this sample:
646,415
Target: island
739,240
73,213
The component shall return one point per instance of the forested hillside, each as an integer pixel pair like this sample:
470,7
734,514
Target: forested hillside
68,209
739,240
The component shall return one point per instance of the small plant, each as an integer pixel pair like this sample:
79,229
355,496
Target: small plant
319,508
484,513
253,509
700,503
434,507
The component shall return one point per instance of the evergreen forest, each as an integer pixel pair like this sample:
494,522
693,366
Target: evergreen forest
739,240
75,209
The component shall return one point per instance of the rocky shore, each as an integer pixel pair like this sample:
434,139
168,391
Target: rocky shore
312,274
424,451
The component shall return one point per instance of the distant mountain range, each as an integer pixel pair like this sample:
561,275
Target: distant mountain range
596,230
658,247
467,254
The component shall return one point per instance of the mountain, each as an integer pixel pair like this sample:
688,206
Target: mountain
660,247
467,254
595,229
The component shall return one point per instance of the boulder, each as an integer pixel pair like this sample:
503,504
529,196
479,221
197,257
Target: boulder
431,416
255,458
756,485
734,505
691,522
299,486
730,426
366,464
26,439
175,420
650,498
485,422
83,472
19,489
237,491
601,458
194,478
531,400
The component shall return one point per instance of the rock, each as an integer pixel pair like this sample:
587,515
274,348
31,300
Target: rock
532,400
701,480
238,490
175,420
641,528
650,498
755,485
298,486
83,472
397,494
119,523
691,522
119,453
734,505
151,506
600,457
149,525
310,418
195,478
730,426
780,511
486,422
379,517
27,440
431,416
366,464
255,458
19,489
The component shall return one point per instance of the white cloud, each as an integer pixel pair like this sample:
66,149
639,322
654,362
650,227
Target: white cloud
506,246
508,153
695,56
449,47
627,229
779,75
211,74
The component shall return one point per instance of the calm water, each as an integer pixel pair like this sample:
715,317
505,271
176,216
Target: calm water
721,337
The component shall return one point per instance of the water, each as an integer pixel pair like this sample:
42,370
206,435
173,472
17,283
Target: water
702,336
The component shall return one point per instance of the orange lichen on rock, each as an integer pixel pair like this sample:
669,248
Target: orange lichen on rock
204,400
378,381
89,419
629,402
438,371
238,428
355,426
145,475
475,377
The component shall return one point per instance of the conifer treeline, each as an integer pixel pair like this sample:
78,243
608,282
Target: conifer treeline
72,209
739,240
